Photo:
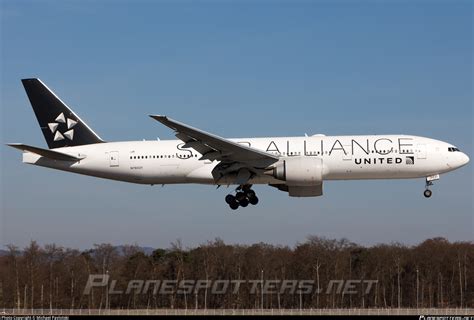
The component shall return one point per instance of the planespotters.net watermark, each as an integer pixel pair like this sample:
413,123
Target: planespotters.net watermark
164,287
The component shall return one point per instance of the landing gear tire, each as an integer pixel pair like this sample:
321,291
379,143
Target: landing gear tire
244,202
427,193
234,205
229,199
250,193
253,200
240,196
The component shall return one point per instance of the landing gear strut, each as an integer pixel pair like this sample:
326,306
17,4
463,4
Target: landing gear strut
243,197
429,182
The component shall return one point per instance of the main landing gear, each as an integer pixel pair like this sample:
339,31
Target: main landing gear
429,182
242,198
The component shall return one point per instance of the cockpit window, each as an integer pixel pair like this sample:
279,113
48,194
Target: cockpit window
452,149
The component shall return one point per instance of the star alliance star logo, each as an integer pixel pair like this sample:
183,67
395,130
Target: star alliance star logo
53,126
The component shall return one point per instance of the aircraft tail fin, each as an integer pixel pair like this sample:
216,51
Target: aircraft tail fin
61,127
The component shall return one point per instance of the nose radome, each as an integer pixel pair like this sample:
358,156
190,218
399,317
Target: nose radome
464,159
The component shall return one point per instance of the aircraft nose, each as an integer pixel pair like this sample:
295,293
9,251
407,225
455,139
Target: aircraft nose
464,159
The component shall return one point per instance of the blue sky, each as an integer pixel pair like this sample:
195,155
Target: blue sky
237,69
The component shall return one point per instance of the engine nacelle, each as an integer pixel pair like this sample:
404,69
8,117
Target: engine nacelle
299,171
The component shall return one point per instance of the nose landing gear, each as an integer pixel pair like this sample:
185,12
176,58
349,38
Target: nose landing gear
429,182
243,197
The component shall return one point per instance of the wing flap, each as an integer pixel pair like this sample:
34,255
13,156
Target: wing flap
55,155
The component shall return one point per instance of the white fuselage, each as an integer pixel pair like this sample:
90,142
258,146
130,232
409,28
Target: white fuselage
343,158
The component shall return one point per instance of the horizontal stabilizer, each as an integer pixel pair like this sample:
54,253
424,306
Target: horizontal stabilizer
55,155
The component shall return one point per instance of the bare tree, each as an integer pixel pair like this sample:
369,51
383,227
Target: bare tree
13,254
434,273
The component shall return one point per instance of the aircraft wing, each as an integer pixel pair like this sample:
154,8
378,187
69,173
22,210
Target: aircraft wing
213,147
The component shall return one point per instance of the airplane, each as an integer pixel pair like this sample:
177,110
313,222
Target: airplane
296,165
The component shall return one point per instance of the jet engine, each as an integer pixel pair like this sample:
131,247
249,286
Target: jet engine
303,176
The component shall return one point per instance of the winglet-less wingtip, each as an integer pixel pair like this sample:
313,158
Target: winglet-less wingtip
157,117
